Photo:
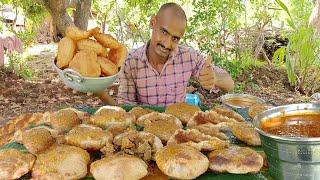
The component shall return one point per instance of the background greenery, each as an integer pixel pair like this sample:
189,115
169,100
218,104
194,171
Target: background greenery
232,31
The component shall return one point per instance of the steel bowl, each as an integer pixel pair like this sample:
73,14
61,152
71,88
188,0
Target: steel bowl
293,158
239,109
80,83
253,99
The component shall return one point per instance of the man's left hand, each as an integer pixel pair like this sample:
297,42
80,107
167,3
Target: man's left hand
207,75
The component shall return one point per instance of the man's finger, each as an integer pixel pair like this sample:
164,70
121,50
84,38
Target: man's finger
206,77
207,82
205,72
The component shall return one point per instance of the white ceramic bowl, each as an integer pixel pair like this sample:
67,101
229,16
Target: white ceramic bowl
80,83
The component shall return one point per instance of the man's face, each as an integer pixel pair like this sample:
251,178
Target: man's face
167,32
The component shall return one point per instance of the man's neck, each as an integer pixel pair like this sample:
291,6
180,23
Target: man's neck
156,62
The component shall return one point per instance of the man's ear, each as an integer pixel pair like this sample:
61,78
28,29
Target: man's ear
152,21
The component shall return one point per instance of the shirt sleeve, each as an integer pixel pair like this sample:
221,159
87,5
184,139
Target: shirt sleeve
199,60
127,86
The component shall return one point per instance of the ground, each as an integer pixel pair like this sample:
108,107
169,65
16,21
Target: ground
46,92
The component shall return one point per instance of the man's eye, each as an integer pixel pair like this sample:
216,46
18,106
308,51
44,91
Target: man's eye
175,39
164,32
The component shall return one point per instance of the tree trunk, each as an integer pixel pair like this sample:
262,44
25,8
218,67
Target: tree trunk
104,21
82,14
57,9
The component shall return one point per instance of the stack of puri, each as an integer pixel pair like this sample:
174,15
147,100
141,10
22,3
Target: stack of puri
181,143
90,53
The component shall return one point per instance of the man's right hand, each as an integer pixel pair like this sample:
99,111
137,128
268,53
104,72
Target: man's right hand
207,75
106,98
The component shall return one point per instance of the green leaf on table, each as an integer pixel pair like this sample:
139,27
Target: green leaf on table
14,145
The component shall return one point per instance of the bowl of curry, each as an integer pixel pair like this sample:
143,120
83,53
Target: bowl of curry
290,137
240,101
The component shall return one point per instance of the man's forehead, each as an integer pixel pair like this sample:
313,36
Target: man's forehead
171,14
172,23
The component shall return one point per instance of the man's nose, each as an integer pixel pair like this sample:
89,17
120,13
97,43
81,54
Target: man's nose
167,42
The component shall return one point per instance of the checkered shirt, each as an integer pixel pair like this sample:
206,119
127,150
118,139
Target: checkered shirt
141,84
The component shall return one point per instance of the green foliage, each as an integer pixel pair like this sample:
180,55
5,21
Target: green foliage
211,20
27,37
213,26
239,87
278,56
215,22
19,66
283,6
34,11
300,56
262,14
1,24
34,14
238,67
290,68
210,28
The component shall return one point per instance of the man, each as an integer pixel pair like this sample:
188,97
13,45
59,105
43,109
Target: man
158,72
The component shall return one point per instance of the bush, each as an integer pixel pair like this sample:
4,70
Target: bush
27,37
19,66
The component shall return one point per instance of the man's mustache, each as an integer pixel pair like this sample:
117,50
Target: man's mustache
164,47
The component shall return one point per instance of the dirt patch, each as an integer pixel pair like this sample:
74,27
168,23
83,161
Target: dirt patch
44,93
271,84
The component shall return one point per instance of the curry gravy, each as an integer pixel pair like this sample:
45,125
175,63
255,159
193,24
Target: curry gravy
240,102
294,125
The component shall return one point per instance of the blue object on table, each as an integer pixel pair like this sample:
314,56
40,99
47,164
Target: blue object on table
193,99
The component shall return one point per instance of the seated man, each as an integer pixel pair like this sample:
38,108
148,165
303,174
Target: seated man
158,72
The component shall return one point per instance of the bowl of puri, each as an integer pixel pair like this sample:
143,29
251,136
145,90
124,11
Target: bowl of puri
88,61
290,137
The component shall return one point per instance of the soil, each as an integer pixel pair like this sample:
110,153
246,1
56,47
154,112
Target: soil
46,92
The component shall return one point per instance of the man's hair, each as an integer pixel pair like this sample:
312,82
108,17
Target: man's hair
179,12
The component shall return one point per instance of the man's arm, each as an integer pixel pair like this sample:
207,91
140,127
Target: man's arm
106,98
223,80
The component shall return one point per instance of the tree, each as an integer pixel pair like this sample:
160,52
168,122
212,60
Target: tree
61,19
82,14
